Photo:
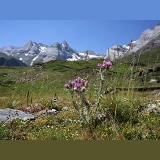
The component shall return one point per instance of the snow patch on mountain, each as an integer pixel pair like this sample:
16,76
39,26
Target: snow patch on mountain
126,47
42,49
34,60
90,55
74,58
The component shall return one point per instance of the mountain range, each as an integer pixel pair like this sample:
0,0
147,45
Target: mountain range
33,52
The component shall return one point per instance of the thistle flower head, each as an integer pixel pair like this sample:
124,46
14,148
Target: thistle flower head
105,64
77,84
100,65
66,85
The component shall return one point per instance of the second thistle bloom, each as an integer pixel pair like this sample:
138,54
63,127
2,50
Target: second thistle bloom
105,64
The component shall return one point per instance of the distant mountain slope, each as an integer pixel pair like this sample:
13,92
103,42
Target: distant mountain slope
148,58
10,61
148,40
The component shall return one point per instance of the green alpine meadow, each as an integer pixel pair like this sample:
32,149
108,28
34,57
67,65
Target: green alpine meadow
114,105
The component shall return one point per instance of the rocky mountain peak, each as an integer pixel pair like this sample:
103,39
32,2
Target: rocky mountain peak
42,45
31,43
64,44
31,47
57,44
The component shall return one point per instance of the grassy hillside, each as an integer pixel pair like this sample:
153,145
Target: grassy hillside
144,59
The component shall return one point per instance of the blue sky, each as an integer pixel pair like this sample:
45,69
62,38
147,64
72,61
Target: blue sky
79,9
96,35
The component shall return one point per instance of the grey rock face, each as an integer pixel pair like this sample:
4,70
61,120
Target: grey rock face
59,51
149,39
30,48
116,51
8,115
146,37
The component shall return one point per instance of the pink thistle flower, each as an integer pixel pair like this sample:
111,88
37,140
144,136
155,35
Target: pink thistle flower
73,82
79,80
66,85
108,64
76,86
100,65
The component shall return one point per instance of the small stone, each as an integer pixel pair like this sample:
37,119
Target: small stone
65,109
153,81
156,93
42,112
36,105
54,100
52,111
158,101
